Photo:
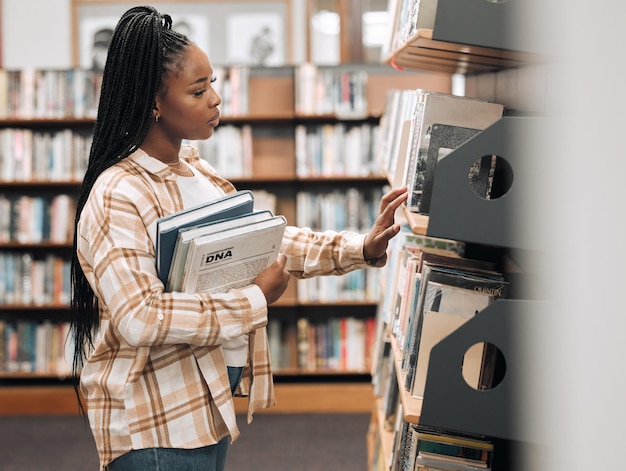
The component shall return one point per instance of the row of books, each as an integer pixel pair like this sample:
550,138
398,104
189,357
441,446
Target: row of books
330,91
413,446
73,93
48,93
335,344
233,85
350,208
30,93
431,289
35,219
420,128
62,155
391,277
419,448
29,280
229,151
432,292
55,155
336,149
356,286
408,17
35,347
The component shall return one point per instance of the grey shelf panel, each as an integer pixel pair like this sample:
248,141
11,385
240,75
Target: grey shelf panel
451,404
457,213
508,25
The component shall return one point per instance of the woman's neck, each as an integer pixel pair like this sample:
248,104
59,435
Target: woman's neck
157,146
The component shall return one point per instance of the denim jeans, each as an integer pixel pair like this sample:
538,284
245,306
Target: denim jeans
208,458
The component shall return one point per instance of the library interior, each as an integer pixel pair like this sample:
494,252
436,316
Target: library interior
459,329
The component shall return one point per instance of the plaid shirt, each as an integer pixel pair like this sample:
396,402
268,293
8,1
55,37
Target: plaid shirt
157,376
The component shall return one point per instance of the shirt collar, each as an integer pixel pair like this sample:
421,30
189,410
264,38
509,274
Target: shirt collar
158,168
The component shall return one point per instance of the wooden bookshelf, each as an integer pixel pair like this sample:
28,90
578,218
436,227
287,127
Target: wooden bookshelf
272,116
421,51
328,398
411,406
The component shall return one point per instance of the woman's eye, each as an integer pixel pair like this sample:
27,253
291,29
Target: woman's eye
199,92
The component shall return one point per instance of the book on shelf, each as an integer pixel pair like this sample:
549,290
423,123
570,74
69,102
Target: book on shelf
328,90
229,151
406,285
443,140
434,449
28,346
439,108
232,204
399,108
233,257
187,234
408,239
397,177
305,346
449,296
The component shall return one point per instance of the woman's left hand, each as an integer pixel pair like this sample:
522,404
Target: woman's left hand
384,228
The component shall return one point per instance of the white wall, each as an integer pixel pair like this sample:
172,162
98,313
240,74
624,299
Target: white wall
38,33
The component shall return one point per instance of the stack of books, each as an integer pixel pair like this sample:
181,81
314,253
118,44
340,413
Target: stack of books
217,246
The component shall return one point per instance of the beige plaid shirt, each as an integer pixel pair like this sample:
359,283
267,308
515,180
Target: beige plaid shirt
157,376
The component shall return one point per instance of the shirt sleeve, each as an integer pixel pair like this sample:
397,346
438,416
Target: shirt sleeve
310,253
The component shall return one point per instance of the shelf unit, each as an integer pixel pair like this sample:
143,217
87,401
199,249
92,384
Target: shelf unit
423,51
470,38
459,44
272,116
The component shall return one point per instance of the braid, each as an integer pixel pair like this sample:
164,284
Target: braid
143,47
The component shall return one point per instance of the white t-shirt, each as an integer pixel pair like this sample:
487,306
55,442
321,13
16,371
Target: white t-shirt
196,190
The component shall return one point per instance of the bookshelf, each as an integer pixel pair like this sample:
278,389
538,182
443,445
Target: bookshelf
470,38
272,119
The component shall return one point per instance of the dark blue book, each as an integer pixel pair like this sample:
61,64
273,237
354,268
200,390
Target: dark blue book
231,205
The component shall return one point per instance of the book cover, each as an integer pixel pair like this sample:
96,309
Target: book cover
443,140
452,449
441,108
167,228
232,258
448,298
187,234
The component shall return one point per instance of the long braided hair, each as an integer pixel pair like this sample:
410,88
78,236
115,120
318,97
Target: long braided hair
143,47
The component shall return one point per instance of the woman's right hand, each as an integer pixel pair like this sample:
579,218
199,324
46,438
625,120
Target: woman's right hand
273,280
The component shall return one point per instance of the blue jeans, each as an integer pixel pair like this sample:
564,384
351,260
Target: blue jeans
208,458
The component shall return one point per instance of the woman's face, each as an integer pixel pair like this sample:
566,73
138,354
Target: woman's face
187,106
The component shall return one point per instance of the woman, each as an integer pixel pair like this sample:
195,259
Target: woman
158,370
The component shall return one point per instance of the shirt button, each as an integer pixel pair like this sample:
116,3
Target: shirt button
160,317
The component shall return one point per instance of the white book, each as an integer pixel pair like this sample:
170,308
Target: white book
186,235
232,204
232,258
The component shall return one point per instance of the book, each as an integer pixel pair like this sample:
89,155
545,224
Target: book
452,449
167,227
232,258
430,449
443,140
441,108
448,298
187,234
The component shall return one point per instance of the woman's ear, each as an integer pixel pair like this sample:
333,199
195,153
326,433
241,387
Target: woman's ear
156,114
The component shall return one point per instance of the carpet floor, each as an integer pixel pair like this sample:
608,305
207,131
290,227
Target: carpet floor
272,442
